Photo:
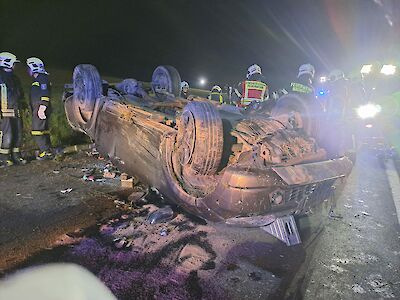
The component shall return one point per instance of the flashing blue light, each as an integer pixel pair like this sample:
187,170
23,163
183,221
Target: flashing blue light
321,93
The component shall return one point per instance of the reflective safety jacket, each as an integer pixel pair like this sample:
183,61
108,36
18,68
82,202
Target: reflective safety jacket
253,90
40,90
216,96
10,94
301,88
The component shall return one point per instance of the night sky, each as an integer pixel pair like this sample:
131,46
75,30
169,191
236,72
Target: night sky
215,39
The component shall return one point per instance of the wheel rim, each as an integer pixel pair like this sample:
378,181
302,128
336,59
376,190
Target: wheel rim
161,83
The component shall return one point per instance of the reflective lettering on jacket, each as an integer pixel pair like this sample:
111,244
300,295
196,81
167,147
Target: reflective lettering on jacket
253,91
300,88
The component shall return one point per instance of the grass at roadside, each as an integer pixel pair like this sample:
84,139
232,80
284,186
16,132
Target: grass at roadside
60,132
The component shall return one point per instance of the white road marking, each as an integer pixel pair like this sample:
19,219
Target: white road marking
394,182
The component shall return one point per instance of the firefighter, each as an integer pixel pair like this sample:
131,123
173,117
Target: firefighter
254,88
303,84
339,94
40,106
11,123
216,94
184,89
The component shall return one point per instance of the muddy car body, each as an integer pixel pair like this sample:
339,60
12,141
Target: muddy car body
217,162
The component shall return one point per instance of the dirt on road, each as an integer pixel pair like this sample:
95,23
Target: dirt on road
36,205
182,258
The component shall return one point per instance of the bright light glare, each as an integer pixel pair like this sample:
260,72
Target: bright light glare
369,110
202,81
366,69
388,70
322,79
369,126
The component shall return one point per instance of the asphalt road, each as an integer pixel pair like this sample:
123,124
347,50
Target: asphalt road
34,213
355,256
358,255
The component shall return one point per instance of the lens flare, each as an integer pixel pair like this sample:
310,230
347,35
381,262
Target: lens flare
368,111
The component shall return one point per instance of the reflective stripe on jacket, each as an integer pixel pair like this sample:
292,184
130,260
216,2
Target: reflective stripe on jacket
253,91
216,96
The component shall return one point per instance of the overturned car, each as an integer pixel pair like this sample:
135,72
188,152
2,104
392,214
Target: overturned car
248,167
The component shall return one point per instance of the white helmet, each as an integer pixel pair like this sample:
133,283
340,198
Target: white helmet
7,60
184,84
36,65
253,69
216,88
336,75
306,69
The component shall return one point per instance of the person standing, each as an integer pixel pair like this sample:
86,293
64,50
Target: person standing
184,89
216,94
40,106
11,95
253,89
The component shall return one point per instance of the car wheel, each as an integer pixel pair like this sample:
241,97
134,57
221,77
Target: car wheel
166,82
296,112
87,88
200,138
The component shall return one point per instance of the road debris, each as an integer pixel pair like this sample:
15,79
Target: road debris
66,191
333,215
127,183
109,175
358,289
161,215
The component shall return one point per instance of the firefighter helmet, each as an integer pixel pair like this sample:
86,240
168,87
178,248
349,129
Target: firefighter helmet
184,85
253,69
306,69
216,88
7,60
36,65
336,75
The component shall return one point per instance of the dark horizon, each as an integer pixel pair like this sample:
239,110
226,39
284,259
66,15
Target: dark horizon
214,39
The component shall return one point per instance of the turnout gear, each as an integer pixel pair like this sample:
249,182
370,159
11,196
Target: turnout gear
11,123
36,65
40,105
45,155
7,60
303,84
253,89
300,88
216,94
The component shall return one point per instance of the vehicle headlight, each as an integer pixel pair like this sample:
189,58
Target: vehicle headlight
369,110
388,70
366,69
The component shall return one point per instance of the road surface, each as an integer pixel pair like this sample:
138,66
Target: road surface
355,256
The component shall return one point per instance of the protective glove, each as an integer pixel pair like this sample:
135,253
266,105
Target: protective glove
42,112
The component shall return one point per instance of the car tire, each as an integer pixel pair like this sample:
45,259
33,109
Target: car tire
308,110
200,138
88,88
166,82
